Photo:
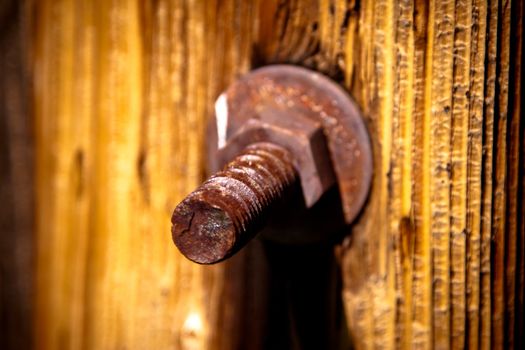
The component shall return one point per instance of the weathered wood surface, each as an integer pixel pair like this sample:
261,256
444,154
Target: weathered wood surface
122,92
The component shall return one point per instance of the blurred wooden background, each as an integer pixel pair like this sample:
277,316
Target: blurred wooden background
16,179
103,107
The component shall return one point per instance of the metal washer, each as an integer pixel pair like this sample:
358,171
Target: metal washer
291,88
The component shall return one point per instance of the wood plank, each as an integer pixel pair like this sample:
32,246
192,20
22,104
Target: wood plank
123,94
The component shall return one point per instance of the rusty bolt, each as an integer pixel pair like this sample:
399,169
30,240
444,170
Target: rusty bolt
281,125
227,210
302,136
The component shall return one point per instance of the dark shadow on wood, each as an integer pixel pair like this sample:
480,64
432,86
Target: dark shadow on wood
16,181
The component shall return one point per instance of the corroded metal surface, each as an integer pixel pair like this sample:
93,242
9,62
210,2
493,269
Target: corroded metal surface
288,89
287,124
302,136
227,210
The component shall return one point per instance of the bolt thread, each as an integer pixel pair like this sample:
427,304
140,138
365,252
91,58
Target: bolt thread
228,209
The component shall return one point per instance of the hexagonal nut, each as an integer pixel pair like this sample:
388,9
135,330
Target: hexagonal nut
302,136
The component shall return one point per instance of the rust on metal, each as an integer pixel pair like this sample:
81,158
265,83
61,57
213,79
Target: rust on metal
302,136
277,127
227,210
288,90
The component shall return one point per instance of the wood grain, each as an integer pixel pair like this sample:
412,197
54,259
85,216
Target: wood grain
514,200
474,171
122,94
499,221
458,172
488,140
420,213
439,110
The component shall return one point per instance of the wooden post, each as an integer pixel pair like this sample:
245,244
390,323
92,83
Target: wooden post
122,93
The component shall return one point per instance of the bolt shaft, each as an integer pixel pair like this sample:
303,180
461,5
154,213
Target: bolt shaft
228,209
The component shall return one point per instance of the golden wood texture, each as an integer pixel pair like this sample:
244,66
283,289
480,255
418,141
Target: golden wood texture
474,170
488,141
122,93
499,221
458,172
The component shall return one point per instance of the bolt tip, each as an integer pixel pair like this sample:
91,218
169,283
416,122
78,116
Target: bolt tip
203,233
